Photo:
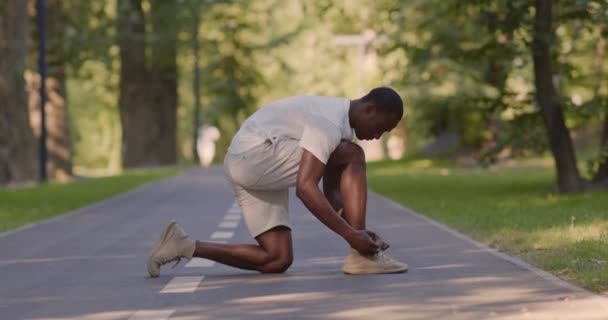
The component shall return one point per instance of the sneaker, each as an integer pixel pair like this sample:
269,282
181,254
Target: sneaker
357,263
172,245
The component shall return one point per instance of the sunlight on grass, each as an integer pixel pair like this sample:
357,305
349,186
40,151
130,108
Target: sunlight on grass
554,237
559,236
416,166
511,208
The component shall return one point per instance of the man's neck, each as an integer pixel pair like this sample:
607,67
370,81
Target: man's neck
351,112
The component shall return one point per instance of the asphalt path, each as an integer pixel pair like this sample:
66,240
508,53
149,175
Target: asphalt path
90,264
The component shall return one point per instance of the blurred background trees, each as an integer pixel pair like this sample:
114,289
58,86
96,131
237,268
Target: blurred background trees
483,80
17,144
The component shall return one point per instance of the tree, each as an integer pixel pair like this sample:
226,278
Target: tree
600,50
137,120
17,144
237,35
457,59
602,172
560,142
59,146
163,72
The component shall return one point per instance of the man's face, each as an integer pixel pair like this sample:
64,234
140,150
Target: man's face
374,124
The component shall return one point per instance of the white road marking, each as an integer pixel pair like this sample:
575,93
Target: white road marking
228,224
222,235
234,211
199,263
234,217
182,284
152,315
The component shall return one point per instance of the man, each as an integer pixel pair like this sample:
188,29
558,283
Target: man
295,142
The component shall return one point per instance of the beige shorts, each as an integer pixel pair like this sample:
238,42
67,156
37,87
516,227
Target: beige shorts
260,179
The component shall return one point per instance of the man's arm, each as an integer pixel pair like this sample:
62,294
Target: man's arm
307,189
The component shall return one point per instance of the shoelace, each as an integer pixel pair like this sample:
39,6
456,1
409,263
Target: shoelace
384,258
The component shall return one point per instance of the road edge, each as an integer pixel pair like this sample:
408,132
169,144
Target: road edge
92,206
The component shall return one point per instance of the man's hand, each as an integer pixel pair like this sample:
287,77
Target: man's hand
366,242
383,244
307,189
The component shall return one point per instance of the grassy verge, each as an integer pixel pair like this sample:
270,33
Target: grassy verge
24,206
512,209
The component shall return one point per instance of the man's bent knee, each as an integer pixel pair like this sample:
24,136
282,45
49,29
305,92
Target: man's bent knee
346,152
278,265
276,242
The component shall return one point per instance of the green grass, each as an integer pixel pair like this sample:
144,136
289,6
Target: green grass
24,206
511,208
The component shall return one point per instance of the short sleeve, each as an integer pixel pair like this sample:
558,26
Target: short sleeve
320,137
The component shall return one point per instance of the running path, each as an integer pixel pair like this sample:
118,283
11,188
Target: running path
90,264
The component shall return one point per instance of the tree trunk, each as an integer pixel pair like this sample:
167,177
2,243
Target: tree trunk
568,178
59,144
135,101
600,49
602,173
163,69
496,75
17,143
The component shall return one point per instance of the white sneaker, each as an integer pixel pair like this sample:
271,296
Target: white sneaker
356,263
172,245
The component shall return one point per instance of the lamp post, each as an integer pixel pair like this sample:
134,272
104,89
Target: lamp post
196,81
41,19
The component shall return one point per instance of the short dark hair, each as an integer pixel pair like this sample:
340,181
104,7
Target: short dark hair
386,99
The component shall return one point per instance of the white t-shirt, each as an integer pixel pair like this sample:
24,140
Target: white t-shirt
318,123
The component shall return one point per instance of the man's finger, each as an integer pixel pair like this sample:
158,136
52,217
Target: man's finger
372,234
375,245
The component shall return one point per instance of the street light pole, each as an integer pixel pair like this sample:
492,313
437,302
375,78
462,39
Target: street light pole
196,83
41,19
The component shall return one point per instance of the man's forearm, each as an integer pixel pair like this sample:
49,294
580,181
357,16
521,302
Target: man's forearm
319,206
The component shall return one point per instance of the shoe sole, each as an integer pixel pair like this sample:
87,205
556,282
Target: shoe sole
378,271
164,236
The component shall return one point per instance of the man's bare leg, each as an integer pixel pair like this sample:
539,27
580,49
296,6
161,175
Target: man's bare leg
274,254
345,186
345,183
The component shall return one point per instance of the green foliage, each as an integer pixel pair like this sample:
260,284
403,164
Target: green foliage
469,70
460,60
594,164
523,136
462,66
95,123
92,83
89,32
237,35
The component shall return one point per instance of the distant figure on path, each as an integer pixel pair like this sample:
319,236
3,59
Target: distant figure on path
297,141
205,144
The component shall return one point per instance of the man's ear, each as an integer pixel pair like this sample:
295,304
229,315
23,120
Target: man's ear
370,108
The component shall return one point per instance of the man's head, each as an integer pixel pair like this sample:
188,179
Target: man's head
376,113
